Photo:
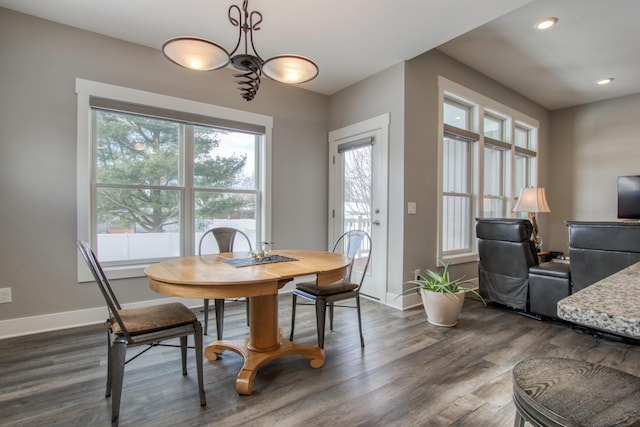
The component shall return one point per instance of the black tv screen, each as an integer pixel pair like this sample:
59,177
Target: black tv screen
629,197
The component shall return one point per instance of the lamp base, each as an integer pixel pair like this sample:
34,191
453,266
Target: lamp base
537,241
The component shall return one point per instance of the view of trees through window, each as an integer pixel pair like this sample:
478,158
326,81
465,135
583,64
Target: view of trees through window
152,174
357,188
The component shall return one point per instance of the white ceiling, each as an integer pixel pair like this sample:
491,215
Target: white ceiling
558,67
353,39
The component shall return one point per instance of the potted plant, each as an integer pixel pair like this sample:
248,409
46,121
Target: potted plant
442,297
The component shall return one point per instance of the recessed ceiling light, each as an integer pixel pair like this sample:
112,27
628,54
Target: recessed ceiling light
546,23
605,81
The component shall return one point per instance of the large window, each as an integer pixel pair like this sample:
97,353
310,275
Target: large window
488,153
158,177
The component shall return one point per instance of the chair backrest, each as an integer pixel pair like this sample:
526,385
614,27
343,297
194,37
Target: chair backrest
505,253
505,246
598,249
350,244
225,238
103,284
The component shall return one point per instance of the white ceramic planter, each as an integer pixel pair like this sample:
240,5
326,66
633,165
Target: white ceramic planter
442,309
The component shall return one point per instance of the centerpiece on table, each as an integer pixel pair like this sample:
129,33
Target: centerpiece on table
263,252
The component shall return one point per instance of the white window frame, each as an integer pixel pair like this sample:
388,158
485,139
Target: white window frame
481,104
85,89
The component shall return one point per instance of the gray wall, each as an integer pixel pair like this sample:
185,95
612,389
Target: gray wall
421,142
40,62
380,94
591,145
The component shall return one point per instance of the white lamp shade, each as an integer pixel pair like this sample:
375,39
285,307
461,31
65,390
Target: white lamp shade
532,200
195,53
290,69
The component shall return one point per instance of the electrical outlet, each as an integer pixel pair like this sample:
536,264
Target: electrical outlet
5,295
416,274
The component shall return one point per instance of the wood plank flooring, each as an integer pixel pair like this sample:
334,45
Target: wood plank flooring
409,374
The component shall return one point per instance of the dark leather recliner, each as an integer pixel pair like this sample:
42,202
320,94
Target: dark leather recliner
601,248
509,272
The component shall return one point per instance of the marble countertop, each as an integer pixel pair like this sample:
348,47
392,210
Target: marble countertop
612,304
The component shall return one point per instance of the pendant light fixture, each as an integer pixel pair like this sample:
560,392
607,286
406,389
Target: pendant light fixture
201,54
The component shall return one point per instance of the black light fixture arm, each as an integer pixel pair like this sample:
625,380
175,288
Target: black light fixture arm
246,26
250,64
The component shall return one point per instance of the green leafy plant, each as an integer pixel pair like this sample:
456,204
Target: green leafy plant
440,282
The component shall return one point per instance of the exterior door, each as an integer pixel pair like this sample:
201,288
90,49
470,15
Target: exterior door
358,195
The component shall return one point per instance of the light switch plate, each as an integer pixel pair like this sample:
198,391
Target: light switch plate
411,208
5,295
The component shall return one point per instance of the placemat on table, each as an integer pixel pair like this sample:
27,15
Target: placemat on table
246,262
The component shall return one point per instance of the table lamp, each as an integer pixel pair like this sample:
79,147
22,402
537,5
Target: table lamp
533,200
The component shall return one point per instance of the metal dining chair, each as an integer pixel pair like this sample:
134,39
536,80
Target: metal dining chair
225,238
350,243
141,326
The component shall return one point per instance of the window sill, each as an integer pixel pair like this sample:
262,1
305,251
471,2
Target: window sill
113,272
460,258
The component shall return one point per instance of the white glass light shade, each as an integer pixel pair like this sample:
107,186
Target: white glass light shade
290,69
532,200
195,53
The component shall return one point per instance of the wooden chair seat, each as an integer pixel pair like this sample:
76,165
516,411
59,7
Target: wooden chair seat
332,289
145,320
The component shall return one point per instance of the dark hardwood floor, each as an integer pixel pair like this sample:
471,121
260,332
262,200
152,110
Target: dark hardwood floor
409,374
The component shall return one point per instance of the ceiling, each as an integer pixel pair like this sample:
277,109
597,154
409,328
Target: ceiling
351,40
558,67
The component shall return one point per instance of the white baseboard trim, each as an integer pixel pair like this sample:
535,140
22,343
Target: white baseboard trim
71,319
91,316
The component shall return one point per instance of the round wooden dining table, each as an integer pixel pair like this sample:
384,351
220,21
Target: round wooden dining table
213,276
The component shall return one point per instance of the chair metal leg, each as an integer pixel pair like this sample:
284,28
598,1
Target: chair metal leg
219,317
206,316
183,351
321,309
248,311
108,390
197,337
359,320
519,421
118,357
331,316
293,315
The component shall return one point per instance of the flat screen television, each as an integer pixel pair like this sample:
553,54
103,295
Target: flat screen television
629,197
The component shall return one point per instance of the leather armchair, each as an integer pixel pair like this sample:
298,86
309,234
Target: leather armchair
600,249
509,272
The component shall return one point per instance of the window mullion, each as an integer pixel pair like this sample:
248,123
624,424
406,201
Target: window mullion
188,192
